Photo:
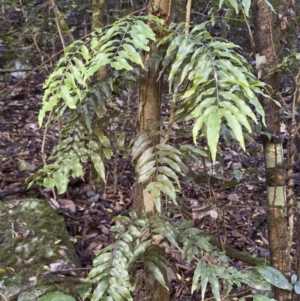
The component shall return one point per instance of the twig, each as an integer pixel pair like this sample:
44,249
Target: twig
14,70
3,297
248,27
188,16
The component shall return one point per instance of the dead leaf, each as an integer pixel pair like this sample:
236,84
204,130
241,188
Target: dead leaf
67,204
233,197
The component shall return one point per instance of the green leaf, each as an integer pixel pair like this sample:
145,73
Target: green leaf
193,149
47,106
162,178
215,287
174,44
166,232
48,182
134,230
120,63
133,55
117,228
169,173
101,269
258,107
234,125
127,237
98,164
163,186
145,29
173,156
121,140
100,291
93,145
56,296
222,45
138,148
185,70
199,122
83,290
140,41
146,168
145,176
114,294
245,109
213,133
238,74
107,153
76,167
206,103
237,114
124,247
253,279
203,244
29,294
246,4
123,291
199,273
274,277
271,6
234,4
144,158
102,258
69,100
85,52
156,273
141,248
187,247
61,181
259,297
170,163
168,147
123,219
185,48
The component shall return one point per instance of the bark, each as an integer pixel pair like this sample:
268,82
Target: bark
149,103
149,107
266,58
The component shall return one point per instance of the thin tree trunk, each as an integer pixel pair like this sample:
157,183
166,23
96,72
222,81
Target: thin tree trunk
97,22
266,59
149,106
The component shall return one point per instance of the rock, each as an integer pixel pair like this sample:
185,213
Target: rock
34,246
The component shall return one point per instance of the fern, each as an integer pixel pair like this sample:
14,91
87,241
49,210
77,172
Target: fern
219,84
160,164
114,266
218,90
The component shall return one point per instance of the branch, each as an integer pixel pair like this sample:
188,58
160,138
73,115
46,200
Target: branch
243,256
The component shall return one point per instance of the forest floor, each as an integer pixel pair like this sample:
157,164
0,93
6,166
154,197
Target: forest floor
232,208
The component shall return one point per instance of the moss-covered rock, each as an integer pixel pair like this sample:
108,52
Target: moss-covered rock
35,246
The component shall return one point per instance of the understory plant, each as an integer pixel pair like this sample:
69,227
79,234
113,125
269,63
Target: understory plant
212,89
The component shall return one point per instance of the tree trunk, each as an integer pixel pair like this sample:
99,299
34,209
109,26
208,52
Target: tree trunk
266,59
149,106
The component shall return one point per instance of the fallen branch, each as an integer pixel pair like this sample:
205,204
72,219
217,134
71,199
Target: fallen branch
243,256
18,189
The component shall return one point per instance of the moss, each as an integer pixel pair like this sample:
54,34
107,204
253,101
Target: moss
33,236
